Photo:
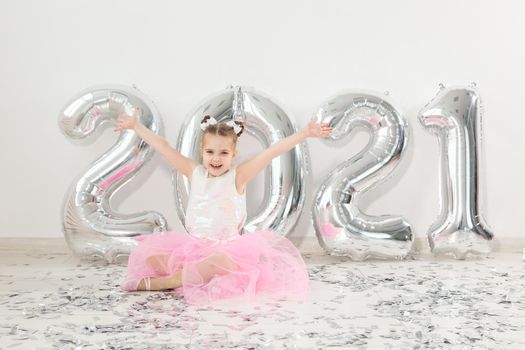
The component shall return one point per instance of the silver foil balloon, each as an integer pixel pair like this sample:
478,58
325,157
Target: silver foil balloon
284,193
454,115
341,227
91,227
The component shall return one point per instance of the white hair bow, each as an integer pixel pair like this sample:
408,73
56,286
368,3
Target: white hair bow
236,127
210,121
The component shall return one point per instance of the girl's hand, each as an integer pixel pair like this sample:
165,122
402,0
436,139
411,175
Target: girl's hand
315,129
126,121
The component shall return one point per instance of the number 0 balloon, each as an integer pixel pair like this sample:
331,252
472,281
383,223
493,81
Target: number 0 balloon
454,115
91,227
342,229
268,123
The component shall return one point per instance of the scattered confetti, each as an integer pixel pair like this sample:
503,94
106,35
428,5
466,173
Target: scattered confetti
59,302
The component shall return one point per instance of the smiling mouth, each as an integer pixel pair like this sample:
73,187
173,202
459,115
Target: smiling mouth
216,166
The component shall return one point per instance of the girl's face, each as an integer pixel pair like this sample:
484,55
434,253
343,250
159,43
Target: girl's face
217,154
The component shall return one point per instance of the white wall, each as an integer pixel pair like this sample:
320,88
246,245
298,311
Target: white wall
299,52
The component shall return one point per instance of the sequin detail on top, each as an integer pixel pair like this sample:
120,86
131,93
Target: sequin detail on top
215,209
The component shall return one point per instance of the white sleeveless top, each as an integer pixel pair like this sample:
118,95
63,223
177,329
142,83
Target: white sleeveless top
215,209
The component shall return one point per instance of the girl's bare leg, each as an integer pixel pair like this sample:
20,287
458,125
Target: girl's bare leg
159,263
217,264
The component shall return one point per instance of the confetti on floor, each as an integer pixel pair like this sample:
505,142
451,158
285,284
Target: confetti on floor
56,301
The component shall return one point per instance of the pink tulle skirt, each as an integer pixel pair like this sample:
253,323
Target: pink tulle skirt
260,263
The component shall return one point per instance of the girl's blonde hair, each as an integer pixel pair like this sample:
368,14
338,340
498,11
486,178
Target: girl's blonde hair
221,129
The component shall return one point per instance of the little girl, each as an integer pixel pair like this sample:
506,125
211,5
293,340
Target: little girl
213,261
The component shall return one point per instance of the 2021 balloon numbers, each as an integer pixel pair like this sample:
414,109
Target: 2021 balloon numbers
93,229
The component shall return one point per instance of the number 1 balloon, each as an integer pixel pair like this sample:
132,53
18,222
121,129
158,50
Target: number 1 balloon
454,115
341,228
91,227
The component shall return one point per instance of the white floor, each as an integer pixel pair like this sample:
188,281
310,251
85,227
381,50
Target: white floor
55,301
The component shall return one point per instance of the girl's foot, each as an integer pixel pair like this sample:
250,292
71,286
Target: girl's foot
153,283
136,284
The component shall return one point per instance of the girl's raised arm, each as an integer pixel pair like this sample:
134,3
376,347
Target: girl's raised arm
249,169
182,164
